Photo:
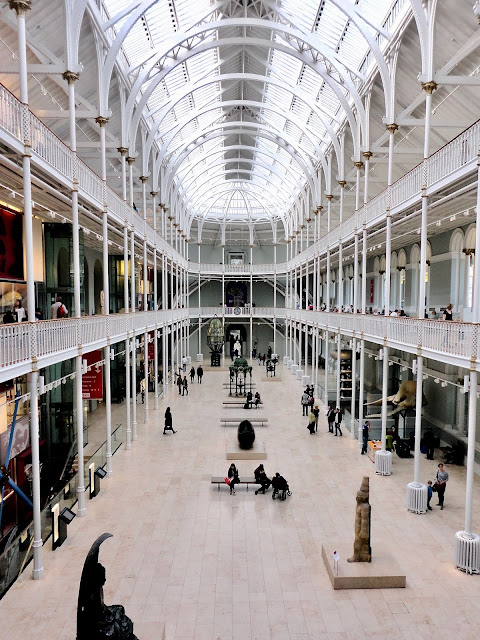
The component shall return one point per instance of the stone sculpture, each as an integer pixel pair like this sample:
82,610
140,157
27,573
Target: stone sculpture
246,434
362,551
403,400
96,620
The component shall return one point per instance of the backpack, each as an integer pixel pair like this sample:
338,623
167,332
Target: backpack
61,311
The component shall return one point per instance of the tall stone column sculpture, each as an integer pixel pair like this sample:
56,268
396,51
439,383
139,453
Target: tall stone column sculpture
362,551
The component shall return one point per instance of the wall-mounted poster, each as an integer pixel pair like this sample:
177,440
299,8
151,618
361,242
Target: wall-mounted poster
92,381
11,245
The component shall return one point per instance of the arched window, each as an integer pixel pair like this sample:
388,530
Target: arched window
469,251
457,241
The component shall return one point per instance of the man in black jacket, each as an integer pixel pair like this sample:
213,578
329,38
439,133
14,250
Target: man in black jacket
261,478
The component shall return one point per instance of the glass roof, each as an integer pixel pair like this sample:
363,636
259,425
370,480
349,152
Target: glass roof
266,100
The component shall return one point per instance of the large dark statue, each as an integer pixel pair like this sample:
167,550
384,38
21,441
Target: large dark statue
362,551
96,620
246,434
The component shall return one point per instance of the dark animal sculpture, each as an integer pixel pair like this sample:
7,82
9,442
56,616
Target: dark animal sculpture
246,434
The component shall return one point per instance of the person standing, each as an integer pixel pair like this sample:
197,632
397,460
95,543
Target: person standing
305,400
200,373
192,375
429,443
184,364
19,311
311,422
338,421
179,384
316,413
330,418
234,477
185,386
365,436
429,494
55,311
441,479
168,422
448,313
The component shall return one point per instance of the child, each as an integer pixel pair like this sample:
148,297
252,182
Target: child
430,494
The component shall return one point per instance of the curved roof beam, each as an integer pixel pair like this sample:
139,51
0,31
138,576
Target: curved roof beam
286,178
263,152
202,188
254,42
341,66
261,130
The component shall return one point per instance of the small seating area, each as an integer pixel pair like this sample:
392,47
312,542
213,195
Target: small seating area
236,421
219,481
240,403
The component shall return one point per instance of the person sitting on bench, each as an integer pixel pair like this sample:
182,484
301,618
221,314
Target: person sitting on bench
261,478
249,399
234,477
279,484
257,399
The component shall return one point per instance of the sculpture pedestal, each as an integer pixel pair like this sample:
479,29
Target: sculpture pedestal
381,573
417,496
299,373
257,452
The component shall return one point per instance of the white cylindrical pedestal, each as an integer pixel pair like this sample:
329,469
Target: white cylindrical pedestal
189,359
299,374
305,380
417,496
467,552
199,357
285,359
289,363
383,463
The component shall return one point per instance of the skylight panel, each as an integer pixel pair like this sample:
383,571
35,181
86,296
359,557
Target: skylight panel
188,11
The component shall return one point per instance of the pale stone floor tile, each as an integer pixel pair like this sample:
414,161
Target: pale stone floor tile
211,566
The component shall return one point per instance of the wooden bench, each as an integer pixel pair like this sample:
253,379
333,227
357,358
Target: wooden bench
218,481
256,420
237,403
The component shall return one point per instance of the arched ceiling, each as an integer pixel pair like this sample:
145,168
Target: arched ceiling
243,98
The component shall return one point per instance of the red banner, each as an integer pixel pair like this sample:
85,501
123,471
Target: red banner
151,345
371,289
92,381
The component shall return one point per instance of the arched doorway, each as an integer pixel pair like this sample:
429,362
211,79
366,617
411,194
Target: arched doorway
234,332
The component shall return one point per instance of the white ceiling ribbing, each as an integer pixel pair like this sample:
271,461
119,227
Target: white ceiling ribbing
332,27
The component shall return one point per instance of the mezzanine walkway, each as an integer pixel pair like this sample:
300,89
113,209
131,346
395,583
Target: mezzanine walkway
211,566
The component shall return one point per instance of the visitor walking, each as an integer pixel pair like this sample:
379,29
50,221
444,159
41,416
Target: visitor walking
179,384
441,479
338,421
200,373
330,418
429,443
305,401
192,375
365,436
185,386
168,422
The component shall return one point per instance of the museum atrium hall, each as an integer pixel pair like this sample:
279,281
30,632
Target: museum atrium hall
307,173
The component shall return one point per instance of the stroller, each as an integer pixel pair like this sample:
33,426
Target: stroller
280,487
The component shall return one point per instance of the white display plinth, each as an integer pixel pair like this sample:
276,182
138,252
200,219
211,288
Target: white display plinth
299,374
467,552
189,359
305,380
289,363
383,462
199,357
285,359
417,496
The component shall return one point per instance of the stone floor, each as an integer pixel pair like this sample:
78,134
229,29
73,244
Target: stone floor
205,565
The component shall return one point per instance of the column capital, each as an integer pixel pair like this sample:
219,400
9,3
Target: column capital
101,121
70,76
358,164
319,209
143,179
367,155
329,196
308,219
122,151
154,193
130,160
20,6
342,183
392,127
429,87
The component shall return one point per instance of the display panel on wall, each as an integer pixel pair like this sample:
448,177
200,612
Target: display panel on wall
11,244
92,381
